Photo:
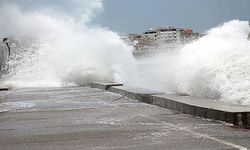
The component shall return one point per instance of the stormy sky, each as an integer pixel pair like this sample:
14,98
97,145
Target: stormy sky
128,16
136,16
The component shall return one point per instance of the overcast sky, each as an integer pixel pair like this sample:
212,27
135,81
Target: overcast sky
135,16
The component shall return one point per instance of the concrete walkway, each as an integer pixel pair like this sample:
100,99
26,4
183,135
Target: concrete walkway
87,119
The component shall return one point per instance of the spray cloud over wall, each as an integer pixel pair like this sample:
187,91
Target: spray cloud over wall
218,65
64,48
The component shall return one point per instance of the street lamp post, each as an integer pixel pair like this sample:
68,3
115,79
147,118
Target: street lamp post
6,41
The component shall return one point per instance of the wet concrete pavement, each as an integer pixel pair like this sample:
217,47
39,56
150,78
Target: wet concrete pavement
88,119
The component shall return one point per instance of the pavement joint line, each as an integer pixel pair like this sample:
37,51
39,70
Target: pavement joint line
207,136
203,135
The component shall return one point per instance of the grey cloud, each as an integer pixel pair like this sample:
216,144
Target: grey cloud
79,8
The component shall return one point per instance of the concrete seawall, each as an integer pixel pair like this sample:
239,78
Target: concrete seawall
237,115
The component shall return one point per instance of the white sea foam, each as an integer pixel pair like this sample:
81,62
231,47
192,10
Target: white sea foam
218,65
13,106
67,50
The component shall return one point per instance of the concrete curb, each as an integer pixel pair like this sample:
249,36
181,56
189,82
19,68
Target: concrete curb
4,88
237,115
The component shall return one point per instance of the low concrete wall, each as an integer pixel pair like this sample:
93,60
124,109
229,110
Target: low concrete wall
104,85
237,115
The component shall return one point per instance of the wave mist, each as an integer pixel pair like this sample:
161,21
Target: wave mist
218,65
62,48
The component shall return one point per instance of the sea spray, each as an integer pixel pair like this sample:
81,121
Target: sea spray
156,72
63,50
218,65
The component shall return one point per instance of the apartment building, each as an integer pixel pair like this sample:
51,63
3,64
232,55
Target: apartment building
163,38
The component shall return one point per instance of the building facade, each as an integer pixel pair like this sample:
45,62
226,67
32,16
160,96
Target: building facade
160,39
